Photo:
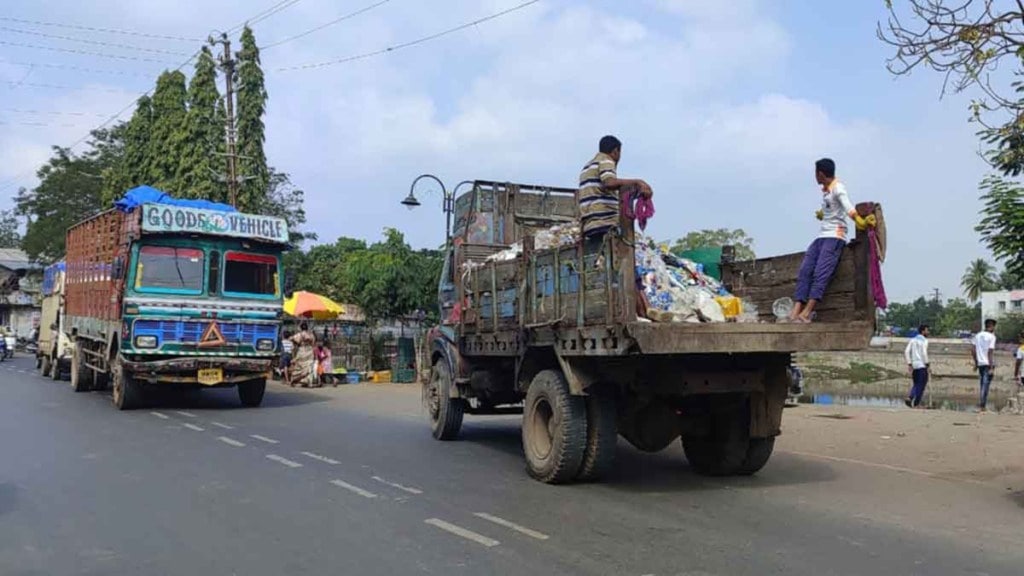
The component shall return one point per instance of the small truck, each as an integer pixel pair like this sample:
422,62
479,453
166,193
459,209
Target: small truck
53,352
554,334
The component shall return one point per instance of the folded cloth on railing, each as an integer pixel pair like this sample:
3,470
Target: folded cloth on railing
636,206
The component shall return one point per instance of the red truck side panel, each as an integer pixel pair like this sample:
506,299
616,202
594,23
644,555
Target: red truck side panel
93,291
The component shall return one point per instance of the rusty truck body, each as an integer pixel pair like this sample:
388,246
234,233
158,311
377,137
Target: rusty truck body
554,333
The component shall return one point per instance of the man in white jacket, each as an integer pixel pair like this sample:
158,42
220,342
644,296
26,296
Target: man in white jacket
916,355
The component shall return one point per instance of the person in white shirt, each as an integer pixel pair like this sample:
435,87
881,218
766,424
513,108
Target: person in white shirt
984,354
1019,355
287,346
916,355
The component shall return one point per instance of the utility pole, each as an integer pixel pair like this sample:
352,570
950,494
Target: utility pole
227,66
937,295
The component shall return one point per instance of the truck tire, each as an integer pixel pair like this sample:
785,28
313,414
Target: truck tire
446,413
127,393
758,453
55,370
723,451
554,429
251,393
81,375
602,435
44,366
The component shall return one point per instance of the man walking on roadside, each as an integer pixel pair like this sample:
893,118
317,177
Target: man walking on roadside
984,354
1019,356
916,355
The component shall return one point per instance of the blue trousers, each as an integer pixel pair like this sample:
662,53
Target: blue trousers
920,378
820,263
985,375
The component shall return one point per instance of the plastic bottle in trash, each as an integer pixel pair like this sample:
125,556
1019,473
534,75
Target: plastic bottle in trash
700,269
783,307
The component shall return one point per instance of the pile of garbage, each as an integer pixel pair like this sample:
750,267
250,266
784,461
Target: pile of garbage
677,290
558,236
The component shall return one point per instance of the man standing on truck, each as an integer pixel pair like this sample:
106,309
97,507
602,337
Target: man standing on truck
600,186
822,257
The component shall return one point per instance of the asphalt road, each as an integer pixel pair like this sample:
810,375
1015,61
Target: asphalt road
349,481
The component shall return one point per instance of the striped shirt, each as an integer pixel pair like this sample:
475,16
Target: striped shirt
599,206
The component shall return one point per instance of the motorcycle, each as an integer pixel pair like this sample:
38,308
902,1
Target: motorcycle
10,343
3,349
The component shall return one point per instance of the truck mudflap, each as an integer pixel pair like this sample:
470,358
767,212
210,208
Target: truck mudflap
187,370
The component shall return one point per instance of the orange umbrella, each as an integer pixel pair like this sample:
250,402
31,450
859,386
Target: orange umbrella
312,305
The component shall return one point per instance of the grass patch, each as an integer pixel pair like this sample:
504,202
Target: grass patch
856,373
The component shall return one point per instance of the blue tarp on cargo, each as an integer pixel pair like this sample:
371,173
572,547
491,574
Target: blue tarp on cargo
148,195
50,277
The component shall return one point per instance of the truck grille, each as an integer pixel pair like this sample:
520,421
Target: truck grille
190,332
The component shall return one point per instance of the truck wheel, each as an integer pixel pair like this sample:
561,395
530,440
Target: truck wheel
81,375
758,453
554,429
723,451
127,392
44,366
602,435
251,393
446,413
55,371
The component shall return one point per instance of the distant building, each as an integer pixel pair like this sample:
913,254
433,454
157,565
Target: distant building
20,291
1002,302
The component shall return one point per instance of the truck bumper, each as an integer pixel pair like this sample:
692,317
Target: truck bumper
186,370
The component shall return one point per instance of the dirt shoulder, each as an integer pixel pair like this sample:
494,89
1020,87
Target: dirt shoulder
966,447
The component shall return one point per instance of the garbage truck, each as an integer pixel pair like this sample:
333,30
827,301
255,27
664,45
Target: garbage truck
164,293
556,329
53,352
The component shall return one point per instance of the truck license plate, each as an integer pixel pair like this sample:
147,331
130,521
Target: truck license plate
210,376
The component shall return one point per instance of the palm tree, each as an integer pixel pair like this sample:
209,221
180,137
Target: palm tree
979,277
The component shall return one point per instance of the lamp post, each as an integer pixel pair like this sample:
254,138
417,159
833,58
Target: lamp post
448,205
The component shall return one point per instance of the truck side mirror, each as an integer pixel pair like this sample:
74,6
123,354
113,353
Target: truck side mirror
118,268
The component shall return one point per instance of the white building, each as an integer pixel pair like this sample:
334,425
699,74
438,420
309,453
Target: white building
1002,302
20,292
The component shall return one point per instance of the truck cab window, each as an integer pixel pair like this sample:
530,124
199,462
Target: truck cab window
170,268
250,274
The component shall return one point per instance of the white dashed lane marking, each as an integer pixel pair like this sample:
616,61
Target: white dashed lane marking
230,441
263,438
462,532
512,526
160,415
323,459
186,414
283,460
399,486
224,426
193,427
356,489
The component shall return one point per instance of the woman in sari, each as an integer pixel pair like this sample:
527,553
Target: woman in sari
303,370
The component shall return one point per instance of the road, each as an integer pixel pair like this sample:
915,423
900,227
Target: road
349,481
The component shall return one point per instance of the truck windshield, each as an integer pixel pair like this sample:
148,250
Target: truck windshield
250,274
169,268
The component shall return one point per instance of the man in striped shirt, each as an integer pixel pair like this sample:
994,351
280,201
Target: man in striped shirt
599,189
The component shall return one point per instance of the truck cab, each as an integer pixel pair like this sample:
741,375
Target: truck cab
53,351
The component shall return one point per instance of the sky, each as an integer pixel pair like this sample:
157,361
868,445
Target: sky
722,107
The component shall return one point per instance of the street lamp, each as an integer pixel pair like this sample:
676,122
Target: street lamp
448,205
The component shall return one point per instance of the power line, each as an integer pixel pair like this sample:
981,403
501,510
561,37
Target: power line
49,124
83,52
96,29
410,43
78,68
94,42
13,85
327,24
51,112
282,5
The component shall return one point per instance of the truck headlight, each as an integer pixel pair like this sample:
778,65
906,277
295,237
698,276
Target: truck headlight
265,345
145,341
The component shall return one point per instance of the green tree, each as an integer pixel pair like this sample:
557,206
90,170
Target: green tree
1010,281
908,316
70,189
133,165
284,200
199,165
167,135
252,104
958,316
10,237
743,243
1002,222
320,269
1009,327
979,277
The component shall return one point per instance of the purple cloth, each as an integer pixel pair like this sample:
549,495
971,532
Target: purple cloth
637,207
877,288
820,263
